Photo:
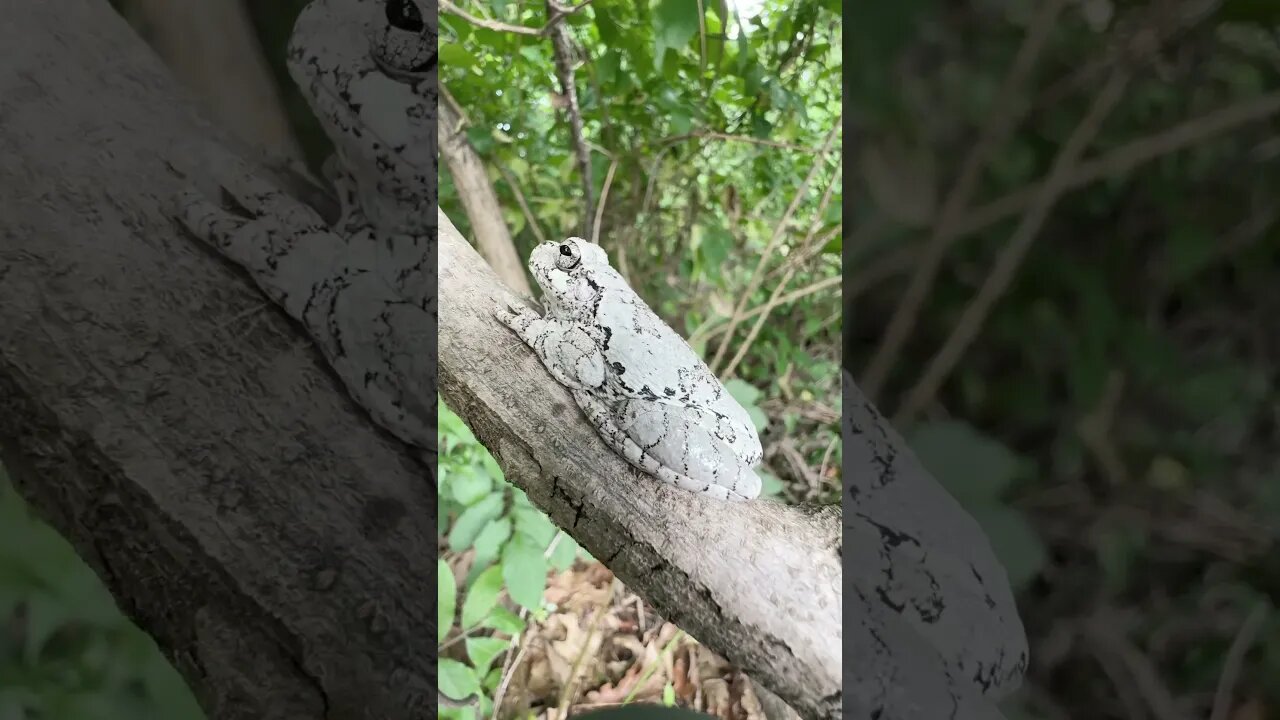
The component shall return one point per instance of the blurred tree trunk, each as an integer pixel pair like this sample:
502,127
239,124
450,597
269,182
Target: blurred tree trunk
493,238
171,424
212,47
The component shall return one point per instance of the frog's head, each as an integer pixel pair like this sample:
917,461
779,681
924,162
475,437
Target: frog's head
570,274
368,70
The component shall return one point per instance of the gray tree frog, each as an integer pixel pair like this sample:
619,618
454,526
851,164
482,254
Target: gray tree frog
364,288
647,393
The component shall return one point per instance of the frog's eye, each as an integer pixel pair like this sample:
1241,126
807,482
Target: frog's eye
568,258
404,15
404,44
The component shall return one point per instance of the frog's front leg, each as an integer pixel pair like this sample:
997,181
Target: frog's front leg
284,245
567,350
672,444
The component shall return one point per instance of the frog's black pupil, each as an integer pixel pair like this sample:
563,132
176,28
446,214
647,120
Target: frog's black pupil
404,15
566,250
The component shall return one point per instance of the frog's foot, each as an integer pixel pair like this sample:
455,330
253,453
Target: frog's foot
731,481
283,243
518,317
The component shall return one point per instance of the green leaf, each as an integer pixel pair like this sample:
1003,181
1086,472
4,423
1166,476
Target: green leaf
446,599
743,392
1260,12
566,550
456,56
482,651
969,465
675,22
504,621
525,571
482,597
1118,549
535,525
469,487
456,680
770,485
1015,543
473,520
489,542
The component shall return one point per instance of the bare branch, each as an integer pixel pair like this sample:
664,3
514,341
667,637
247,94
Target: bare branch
1004,115
710,135
782,284
493,237
604,198
971,321
757,274
556,13
1240,645
562,49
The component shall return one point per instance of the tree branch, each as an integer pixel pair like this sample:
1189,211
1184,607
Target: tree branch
562,49
1005,113
493,237
1010,257
717,575
236,503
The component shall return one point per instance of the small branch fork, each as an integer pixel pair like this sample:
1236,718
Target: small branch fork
556,13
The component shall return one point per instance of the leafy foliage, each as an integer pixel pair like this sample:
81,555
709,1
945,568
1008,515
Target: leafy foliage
1112,425
702,129
509,547
65,650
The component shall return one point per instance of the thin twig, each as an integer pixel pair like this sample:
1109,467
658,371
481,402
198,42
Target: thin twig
772,304
570,689
559,13
1011,256
509,671
756,275
530,219
562,50
604,198
1122,160
725,137
1110,643
1005,113
512,662
463,120
1126,157
888,266
781,285
449,7
1244,639
1159,29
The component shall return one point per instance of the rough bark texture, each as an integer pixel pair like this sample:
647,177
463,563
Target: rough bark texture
493,238
758,582
210,45
173,425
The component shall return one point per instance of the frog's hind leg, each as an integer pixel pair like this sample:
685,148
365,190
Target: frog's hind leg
622,443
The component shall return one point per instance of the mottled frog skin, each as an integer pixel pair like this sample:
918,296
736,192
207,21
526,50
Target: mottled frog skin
647,393
363,287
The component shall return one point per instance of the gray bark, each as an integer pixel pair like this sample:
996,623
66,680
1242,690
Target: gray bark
479,200
170,423
758,582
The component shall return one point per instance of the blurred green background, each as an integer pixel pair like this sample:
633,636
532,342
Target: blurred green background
1097,382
